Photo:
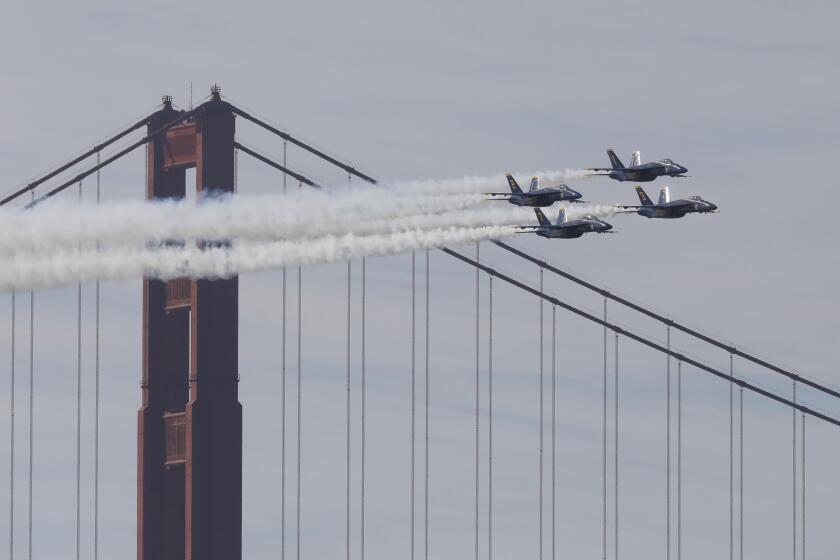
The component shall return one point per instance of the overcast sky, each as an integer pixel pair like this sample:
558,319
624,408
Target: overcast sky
742,93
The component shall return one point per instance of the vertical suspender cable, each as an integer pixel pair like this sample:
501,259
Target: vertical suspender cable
349,298
477,388
299,397
679,459
604,446
553,432
364,391
413,390
615,430
96,397
803,486
542,417
731,463
793,465
235,168
426,432
283,398
12,438
79,409
426,457
347,407
668,445
363,411
741,472
490,421
31,410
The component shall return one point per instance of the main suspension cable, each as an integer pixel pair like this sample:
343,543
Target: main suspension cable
668,321
271,163
97,149
644,341
84,174
287,137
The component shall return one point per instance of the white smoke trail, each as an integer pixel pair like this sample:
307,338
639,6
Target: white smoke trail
495,183
66,267
65,225
59,242
62,225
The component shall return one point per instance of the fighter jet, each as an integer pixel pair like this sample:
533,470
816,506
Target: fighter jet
537,196
566,229
667,208
641,172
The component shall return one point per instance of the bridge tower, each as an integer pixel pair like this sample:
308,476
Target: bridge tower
189,503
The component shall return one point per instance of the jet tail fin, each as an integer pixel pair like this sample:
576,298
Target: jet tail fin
535,184
664,196
561,217
541,217
514,186
643,197
616,163
636,159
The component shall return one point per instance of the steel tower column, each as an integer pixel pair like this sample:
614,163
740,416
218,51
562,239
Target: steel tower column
160,482
214,415
190,424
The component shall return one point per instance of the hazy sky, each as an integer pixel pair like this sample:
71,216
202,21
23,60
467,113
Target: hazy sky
742,93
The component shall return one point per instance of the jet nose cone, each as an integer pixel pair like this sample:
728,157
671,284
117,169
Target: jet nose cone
574,195
712,207
683,169
605,226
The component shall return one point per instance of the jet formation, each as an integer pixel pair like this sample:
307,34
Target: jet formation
564,228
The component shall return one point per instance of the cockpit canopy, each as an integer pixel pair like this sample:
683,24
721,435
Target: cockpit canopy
668,161
695,198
